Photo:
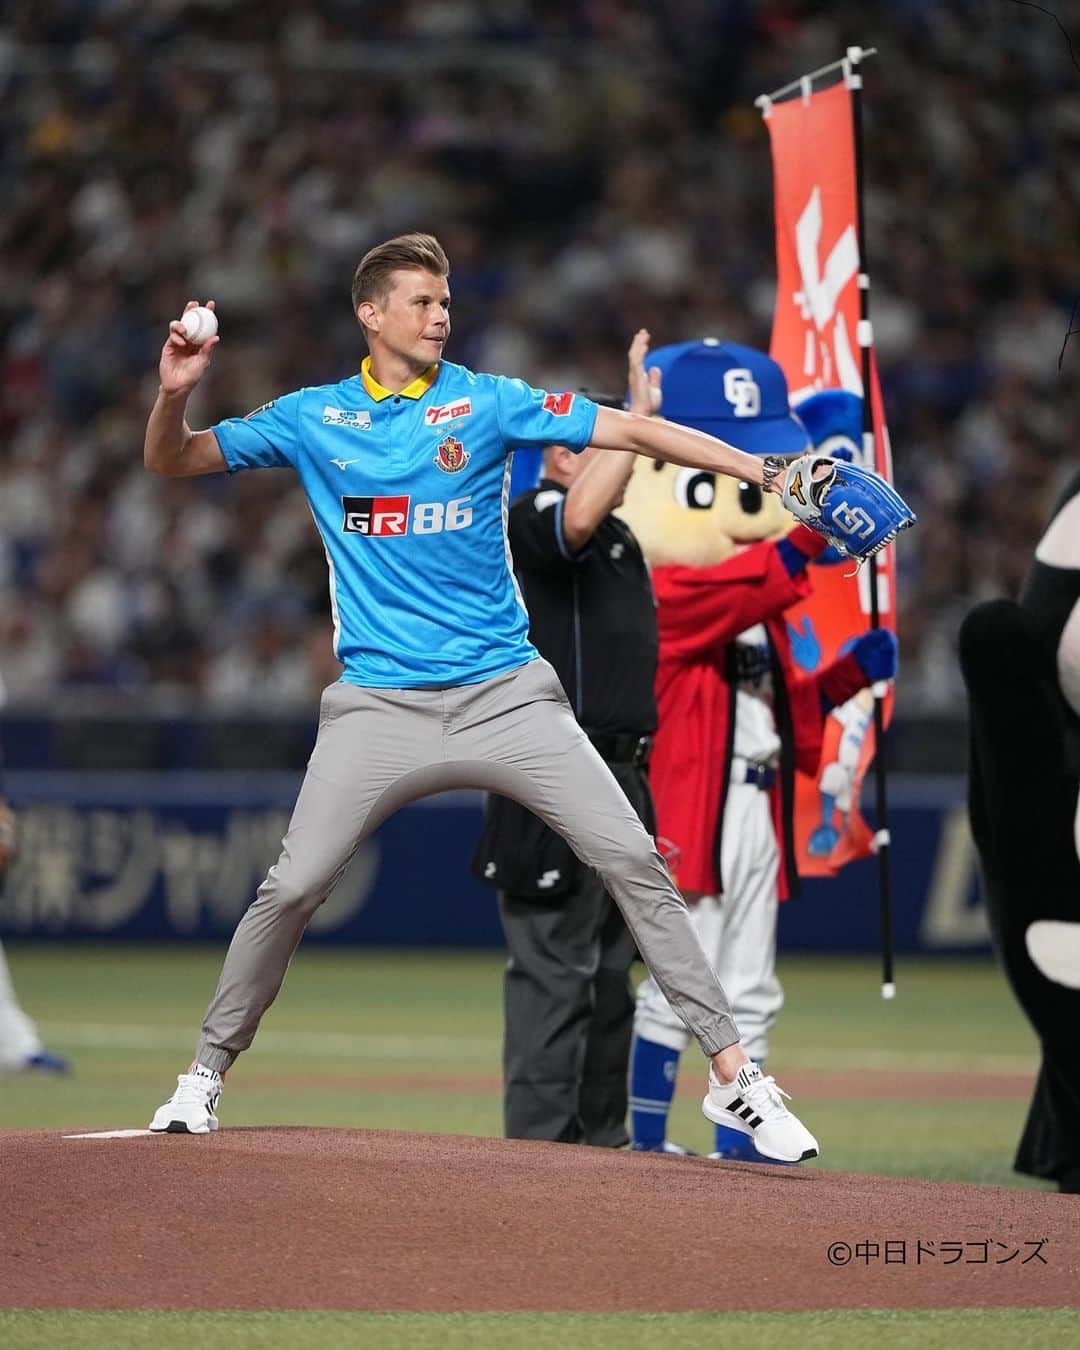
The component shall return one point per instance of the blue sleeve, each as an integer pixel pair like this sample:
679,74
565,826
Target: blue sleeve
267,438
793,560
528,416
525,470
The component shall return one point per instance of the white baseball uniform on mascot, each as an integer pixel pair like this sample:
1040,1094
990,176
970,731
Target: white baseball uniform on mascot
736,716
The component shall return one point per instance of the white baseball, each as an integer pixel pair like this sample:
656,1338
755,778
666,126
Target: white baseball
199,324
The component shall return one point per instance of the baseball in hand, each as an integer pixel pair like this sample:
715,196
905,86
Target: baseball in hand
199,324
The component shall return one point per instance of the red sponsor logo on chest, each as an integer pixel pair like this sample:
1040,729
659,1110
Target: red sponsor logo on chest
376,515
447,412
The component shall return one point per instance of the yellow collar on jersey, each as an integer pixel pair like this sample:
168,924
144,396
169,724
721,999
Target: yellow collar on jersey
417,389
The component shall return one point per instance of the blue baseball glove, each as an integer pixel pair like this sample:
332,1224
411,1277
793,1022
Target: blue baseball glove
854,508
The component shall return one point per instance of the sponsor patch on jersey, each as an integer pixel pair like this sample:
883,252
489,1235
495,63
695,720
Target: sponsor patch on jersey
376,515
450,455
356,418
263,407
559,405
447,412
396,516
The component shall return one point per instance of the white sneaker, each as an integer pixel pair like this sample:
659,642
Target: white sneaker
754,1106
190,1110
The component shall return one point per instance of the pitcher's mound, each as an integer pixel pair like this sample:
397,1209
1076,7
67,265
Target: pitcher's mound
319,1218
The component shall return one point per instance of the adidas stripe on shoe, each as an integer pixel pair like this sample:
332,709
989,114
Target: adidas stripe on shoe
191,1108
754,1105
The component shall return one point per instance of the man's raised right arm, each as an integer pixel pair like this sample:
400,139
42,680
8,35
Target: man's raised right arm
171,447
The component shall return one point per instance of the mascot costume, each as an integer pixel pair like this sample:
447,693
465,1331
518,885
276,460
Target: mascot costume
1021,662
737,718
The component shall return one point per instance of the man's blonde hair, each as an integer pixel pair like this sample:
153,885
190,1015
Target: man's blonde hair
371,280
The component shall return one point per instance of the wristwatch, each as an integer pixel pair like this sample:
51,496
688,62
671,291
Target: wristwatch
773,465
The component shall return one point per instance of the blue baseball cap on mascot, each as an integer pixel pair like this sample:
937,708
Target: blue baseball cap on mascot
834,420
729,391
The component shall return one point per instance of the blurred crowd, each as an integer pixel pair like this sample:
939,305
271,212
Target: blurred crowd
591,167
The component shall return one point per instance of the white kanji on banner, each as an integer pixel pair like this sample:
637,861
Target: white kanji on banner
827,340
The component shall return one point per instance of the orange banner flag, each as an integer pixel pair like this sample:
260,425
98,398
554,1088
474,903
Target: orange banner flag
815,338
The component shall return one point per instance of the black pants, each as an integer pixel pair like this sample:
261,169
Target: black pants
569,1007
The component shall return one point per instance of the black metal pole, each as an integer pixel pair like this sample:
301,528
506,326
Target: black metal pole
881,835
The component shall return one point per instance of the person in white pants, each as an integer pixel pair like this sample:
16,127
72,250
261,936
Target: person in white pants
20,1044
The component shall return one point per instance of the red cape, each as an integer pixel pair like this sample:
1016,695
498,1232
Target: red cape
701,610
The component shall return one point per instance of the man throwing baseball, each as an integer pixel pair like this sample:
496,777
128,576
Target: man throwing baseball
405,466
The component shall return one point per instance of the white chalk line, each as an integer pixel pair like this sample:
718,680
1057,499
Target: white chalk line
448,1049
113,1134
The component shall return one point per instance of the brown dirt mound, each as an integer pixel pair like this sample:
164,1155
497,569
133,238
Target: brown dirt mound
362,1219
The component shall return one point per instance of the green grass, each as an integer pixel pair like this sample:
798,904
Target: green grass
128,1017
1000,1329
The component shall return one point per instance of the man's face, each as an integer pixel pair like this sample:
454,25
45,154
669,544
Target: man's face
413,321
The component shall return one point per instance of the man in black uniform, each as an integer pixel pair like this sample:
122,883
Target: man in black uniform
568,1003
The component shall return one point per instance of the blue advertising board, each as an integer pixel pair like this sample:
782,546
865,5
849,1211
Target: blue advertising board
179,856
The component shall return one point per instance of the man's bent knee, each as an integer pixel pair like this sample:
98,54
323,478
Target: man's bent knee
289,893
635,856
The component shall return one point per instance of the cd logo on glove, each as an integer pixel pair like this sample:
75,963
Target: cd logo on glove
852,520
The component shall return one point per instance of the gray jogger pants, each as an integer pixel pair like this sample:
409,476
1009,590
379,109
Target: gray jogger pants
377,749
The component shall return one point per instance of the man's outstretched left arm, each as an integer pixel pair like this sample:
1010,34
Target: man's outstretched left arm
652,436
854,508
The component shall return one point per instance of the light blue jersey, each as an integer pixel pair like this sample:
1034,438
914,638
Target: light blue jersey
409,493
